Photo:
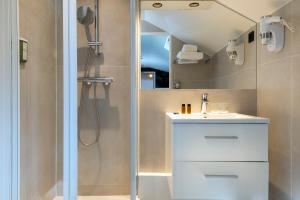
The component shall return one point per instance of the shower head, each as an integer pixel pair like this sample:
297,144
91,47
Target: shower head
85,15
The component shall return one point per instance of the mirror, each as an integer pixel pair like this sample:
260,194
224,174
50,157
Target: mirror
196,45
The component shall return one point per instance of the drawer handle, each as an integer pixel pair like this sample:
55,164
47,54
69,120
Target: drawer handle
221,137
221,176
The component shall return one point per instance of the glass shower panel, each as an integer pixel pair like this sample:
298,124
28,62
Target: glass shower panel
41,100
103,40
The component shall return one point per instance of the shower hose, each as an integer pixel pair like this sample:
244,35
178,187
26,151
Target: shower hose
87,69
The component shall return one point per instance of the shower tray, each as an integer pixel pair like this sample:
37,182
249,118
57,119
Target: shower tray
98,198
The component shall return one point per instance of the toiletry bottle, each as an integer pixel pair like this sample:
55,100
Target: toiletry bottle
189,109
183,109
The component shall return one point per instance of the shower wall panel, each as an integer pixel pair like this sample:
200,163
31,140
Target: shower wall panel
104,168
38,100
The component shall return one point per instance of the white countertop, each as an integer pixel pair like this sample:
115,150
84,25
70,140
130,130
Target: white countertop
223,118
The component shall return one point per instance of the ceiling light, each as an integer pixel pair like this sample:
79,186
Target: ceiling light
157,5
194,4
150,76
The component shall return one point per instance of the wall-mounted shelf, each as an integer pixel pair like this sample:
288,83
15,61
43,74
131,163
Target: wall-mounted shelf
89,80
186,62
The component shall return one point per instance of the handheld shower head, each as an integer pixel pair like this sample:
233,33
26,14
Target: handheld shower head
85,15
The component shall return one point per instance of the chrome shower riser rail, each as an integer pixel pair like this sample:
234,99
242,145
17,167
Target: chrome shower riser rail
97,29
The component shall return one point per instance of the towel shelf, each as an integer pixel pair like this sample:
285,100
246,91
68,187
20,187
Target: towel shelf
90,80
186,62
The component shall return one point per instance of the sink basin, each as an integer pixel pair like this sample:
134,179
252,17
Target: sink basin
216,118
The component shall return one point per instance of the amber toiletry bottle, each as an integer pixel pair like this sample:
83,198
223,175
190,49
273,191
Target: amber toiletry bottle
189,109
183,109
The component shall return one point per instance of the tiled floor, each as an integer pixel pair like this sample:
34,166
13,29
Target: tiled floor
98,198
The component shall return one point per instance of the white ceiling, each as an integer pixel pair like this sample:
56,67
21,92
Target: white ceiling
210,27
254,9
153,53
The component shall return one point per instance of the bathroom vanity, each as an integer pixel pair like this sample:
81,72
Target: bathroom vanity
217,156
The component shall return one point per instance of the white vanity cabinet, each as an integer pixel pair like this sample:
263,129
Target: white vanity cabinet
222,157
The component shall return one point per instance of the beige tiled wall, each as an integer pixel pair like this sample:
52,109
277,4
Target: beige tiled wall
38,100
104,169
154,105
224,74
220,72
191,76
278,99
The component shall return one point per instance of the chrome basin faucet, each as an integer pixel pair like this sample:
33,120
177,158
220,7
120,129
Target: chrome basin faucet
204,102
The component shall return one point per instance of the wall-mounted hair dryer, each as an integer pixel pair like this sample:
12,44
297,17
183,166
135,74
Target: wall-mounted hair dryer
272,32
236,52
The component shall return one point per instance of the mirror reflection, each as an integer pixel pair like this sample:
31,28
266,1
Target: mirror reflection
196,45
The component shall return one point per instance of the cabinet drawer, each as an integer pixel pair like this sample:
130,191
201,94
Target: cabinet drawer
220,180
220,142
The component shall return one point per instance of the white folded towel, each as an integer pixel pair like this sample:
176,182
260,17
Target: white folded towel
189,48
190,55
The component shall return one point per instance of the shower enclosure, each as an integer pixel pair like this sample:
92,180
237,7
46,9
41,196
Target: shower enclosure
73,102
103,100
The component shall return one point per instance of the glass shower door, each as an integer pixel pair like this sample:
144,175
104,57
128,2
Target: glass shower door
42,99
